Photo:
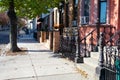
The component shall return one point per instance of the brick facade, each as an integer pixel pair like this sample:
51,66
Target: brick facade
112,15
43,36
113,18
56,41
51,40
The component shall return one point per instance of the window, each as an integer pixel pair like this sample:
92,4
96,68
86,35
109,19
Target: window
86,7
103,11
75,9
85,13
102,0
76,2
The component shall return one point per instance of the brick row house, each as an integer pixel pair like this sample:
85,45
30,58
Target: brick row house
48,29
87,14
98,22
91,24
59,18
102,16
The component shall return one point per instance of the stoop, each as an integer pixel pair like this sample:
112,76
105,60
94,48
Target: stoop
88,68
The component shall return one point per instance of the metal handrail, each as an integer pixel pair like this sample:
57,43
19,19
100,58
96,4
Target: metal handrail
88,34
116,33
86,51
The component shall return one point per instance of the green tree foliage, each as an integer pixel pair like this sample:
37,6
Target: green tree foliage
29,8
24,8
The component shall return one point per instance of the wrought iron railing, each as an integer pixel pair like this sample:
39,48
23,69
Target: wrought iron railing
110,56
84,47
68,42
67,45
88,46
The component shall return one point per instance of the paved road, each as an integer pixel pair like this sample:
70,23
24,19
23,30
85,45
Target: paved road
4,40
4,37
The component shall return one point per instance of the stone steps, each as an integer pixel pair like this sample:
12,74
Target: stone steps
91,62
86,71
89,66
95,55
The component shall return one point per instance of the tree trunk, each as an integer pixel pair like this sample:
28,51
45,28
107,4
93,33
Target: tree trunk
13,27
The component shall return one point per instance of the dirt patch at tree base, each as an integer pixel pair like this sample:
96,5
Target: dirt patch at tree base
23,51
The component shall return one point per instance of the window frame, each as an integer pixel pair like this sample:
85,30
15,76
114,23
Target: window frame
103,1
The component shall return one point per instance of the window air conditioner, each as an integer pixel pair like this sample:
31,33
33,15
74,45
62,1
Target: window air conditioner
84,20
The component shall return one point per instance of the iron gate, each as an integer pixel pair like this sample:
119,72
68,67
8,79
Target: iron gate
110,57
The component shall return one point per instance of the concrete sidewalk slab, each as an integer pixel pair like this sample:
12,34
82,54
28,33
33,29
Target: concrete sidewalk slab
16,67
50,66
38,63
47,63
23,78
69,76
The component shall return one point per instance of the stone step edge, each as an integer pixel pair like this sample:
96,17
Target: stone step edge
86,73
91,62
94,55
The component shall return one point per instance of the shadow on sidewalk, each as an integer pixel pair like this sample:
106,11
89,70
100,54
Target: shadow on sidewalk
27,41
39,51
55,55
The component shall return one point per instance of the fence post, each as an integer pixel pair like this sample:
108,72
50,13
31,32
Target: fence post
100,71
101,44
78,57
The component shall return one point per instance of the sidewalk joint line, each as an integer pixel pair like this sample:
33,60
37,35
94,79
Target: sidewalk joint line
33,66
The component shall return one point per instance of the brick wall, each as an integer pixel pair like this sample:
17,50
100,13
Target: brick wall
51,40
56,41
43,36
114,13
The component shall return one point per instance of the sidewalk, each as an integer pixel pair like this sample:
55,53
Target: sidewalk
38,64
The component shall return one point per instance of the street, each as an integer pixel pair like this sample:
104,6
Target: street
4,40
4,37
